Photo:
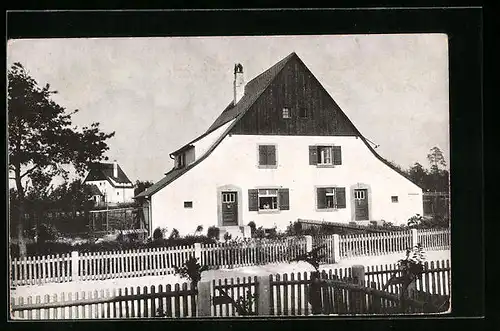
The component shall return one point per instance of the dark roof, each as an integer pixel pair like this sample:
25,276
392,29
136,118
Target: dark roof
253,90
104,171
95,190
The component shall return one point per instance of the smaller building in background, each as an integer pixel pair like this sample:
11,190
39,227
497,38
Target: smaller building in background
109,184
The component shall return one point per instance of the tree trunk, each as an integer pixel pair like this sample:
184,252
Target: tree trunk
20,226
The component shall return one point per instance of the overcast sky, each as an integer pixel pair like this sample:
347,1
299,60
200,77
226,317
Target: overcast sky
159,93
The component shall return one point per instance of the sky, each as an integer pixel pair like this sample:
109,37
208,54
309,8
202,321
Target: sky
157,94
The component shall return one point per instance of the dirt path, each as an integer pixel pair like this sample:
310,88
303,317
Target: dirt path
57,288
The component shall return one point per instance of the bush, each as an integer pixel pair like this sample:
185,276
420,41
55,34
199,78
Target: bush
252,226
47,232
158,233
227,236
436,221
213,232
174,234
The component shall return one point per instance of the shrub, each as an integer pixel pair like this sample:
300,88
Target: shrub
259,233
252,226
174,234
47,232
213,232
191,270
158,233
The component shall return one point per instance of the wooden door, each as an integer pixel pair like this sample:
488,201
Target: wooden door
361,204
229,208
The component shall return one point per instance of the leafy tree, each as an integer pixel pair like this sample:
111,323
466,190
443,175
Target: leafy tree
418,174
191,270
42,139
436,159
141,186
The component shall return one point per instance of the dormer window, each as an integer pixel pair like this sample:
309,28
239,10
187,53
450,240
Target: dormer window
180,160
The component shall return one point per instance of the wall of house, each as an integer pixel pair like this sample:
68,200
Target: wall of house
235,162
125,194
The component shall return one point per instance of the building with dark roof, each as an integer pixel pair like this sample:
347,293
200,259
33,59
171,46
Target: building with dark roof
109,183
281,150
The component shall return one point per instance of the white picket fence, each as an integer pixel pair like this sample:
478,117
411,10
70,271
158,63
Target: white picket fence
375,243
161,261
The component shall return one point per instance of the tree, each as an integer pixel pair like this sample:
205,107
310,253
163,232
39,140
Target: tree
439,175
418,174
42,140
436,159
140,186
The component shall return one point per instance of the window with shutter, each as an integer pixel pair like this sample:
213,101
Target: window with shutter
337,155
340,194
313,155
267,155
321,197
284,199
330,197
253,200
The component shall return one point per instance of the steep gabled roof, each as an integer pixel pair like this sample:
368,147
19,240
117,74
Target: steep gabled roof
253,90
104,171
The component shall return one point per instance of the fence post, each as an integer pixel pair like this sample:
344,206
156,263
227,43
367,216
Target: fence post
264,295
74,266
336,248
197,251
358,273
309,243
414,237
204,302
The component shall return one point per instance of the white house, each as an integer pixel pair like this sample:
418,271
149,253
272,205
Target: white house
109,184
281,150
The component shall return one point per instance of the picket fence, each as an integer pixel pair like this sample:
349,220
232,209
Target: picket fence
278,295
161,261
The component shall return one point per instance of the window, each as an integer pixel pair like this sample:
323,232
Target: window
325,155
286,113
394,198
359,195
303,112
188,204
117,193
330,197
267,155
228,197
181,160
268,199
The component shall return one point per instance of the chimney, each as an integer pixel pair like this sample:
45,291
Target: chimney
115,169
239,83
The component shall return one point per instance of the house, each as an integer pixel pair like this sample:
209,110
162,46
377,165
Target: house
109,184
281,150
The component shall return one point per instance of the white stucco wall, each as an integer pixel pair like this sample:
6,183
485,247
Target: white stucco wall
234,162
125,194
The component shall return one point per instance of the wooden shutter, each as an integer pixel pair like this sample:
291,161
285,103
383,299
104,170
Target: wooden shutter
253,200
284,199
337,155
321,197
313,155
340,197
262,154
271,155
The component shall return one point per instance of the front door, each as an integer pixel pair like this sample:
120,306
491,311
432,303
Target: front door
361,204
229,208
